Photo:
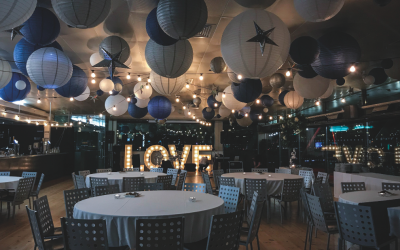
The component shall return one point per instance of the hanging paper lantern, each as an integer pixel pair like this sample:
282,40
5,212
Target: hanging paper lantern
238,115
338,51
20,85
116,80
16,12
129,61
134,100
218,97
387,63
155,32
246,58
49,67
167,86
197,101
281,97
369,80
40,88
117,88
267,101
5,72
340,81
329,91
382,3
224,111
212,102
159,107
304,50
218,65
143,6
255,115
230,101
114,45
245,122
172,109
379,75
169,61
266,86
10,93
106,85
41,28
76,85
310,88
99,92
293,100
208,115
136,112
116,105
84,95
394,71
82,14
316,10
277,80
141,92
182,19
95,58
247,91
260,4
233,76
306,71
265,110
141,103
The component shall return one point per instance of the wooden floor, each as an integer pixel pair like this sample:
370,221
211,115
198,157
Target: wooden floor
16,233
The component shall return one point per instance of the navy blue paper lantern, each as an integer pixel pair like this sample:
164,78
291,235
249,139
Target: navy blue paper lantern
23,49
99,92
41,28
135,111
238,115
248,90
159,107
340,81
304,50
134,100
10,93
306,71
40,88
208,115
116,80
267,101
218,116
155,32
379,74
282,96
212,103
254,115
76,85
117,86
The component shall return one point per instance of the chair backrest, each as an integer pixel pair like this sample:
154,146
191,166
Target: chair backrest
132,169
390,186
132,184
316,213
195,187
217,175
224,231
307,177
227,181
305,205
230,195
80,181
104,190
206,179
264,170
24,189
325,176
174,173
254,217
103,170
7,173
252,185
42,207
181,180
84,173
28,175
71,197
74,180
84,234
352,186
318,180
323,191
157,170
283,170
166,180
153,186
160,233
238,170
291,189
35,227
94,182
40,184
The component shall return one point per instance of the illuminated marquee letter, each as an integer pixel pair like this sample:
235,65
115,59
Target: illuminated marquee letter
149,151
196,155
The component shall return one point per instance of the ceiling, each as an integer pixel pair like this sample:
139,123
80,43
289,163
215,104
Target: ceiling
375,28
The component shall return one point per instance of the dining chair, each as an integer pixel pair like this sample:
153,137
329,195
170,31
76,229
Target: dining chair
264,170
160,233
103,170
250,232
80,181
195,187
181,180
230,195
71,197
227,181
174,173
283,170
250,187
86,234
132,169
206,180
104,190
21,194
306,213
290,193
7,173
132,184
94,182
74,179
35,194
166,180
390,186
352,186
323,191
325,176
153,186
84,173
156,170
28,175
239,170
307,178
51,244
216,176
46,224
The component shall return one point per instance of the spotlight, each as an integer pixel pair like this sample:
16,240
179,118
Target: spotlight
128,76
342,100
139,78
128,99
93,80
114,108
38,100
239,77
93,74
223,95
201,77
258,101
352,69
71,99
288,73
194,95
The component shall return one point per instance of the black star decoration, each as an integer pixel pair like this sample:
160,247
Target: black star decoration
262,37
111,61
16,31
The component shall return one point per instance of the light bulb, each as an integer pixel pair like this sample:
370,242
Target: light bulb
90,119
45,124
93,80
128,99
101,115
223,95
38,100
194,117
28,121
184,107
4,113
352,69
201,77
52,124
147,86
93,74
233,111
246,115
288,73
271,118
114,108
71,99
239,77
343,100
189,113
65,124
197,120
17,117
128,76
289,115
317,103
70,123
187,85
177,99
139,78
260,117
56,124
78,123
281,117
258,101
215,104
148,79
194,95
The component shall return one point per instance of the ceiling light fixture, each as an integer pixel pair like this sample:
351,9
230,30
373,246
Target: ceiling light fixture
147,86
17,117
52,124
28,121
215,104
45,124
78,123
194,117
246,115
271,118
37,123
101,115
289,115
189,113
93,74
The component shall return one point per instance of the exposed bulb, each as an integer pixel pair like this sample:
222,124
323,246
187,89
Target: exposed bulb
194,117
147,86
239,77
78,123
197,120
110,92
56,124
4,113
288,73
194,95
148,79
66,124
177,99
258,101
45,124
114,108
189,113
128,76
260,117
187,85
289,115
343,100
128,99
39,101
246,115
101,115
139,78
70,123
352,69
17,117
93,74
52,124
90,119
317,103
215,104
71,99
184,107
233,111
223,95
93,80
201,77
271,118
28,121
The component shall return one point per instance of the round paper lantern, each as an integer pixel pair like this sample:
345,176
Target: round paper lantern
394,71
368,80
266,86
208,115
218,97
10,93
224,111
255,115
76,85
304,50
245,58
387,63
310,88
82,14
261,4
246,109
338,51
379,75
143,6
247,91
20,85
141,103
245,122
40,88
117,88
116,80
306,71
172,109
238,115
16,12
293,100
340,81
129,61
197,101
116,105
167,86
281,97
277,80
212,102
95,58
316,10
85,95
141,92
159,107
182,19
169,61
230,101
106,85
155,32
136,112
267,101
265,110
233,76
218,65
328,92
41,28
5,72
114,45
99,92
49,67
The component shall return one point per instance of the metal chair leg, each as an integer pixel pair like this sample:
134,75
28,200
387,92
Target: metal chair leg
311,234
258,243
307,233
329,237
251,245
13,211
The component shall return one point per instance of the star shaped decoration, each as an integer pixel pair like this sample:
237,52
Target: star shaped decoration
262,37
111,61
16,31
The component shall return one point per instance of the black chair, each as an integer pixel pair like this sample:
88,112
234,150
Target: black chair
166,180
227,181
104,190
263,170
217,175
230,195
195,187
84,173
74,180
390,186
80,182
94,182
28,175
132,184
156,170
174,173
206,179
323,191
22,192
325,176
153,186
46,224
310,225
290,193
35,194
103,170
7,173
352,186
181,180
71,197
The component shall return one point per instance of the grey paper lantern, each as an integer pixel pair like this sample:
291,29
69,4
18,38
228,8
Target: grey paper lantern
260,4
244,122
293,100
85,95
277,80
82,14
49,68
115,44
5,73
329,91
169,61
224,111
218,65
310,88
167,86
245,58
197,101
142,6
116,105
266,86
142,103
182,19
317,10
16,12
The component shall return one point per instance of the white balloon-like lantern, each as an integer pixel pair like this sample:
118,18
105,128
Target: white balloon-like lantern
224,111
244,122
95,58
84,95
293,100
116,105
369,80
329,91
106,85
142,103
20,85
5,73
229,100
142,91
16,12
317,10
218,97
310,88
167,86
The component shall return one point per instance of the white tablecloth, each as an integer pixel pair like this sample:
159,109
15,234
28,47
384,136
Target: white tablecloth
274,180
120,214
9,182
116,177
370,196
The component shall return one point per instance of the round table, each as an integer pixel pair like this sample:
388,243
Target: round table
9,182
116,177
274,180
120,214
367,197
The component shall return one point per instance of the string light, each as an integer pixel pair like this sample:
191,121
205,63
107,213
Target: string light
246,115
271,118
258,101
66,124
342,100
352,69
4,113
28,121
317,103
56,124
201,77
78,123
260,117
128,76
37,123
17,117
223,95
93,80
128,99
177,99
101,115
45,124
288,73
139,78
93,74
194,117
52,124
215,104
187,85
147,86
289,115
110,92
38,100
148,79
233,111
189,113
240,77
197,120
71,99
194,95
70,123
184,107
114,108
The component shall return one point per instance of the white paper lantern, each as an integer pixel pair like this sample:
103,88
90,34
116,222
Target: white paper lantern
141,92
233,76
142,103
5,73
167,86
16,12
329,91
49,68
20,85
265,110
229,100
245,58
142,6
218,97
244,122
224,111
84,95
129,61
310,88
317,10
172,109
116,105
106,85
293,100
95,58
